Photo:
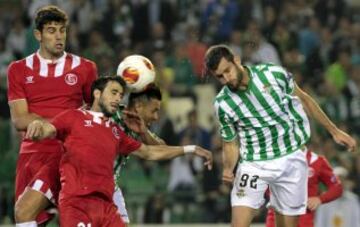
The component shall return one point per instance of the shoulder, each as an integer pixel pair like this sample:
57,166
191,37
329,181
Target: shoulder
222,95
16,65
73,113
80,61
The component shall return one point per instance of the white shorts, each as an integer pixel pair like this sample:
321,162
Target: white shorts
119,201
286,177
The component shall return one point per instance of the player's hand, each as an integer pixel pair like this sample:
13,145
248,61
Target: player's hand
134,122
199,151
34,130
228,176
313,203
344,139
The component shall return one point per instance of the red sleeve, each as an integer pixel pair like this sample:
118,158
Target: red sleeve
327,176
62,123
15,81
90,78
127,144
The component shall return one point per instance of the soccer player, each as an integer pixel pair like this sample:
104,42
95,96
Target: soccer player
319,171
147,105
263,107
86,167
39,87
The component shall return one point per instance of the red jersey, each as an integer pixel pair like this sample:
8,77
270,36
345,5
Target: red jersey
50,87
319,171
91,146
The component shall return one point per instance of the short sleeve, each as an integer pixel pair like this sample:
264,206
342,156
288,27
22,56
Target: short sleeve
91,76
226,126
62,122
128,144
284,78
15,83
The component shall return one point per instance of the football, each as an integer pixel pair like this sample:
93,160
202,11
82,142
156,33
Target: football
137,71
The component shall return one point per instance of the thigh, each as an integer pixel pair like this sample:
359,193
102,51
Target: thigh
286,221
39,172
242,216
32,190
289,190
119,201
249,187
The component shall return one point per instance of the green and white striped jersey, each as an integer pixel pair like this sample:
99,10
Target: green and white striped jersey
269,121
121,160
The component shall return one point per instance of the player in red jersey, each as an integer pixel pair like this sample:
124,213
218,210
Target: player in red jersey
39,87
92,140
320,171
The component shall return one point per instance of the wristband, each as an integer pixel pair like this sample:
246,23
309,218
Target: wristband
189,149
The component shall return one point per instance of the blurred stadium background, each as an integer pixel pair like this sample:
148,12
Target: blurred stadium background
317,40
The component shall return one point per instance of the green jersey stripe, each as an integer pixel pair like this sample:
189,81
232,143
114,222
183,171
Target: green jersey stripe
247,144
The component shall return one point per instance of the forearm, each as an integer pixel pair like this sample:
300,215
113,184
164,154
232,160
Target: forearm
21,122
159,152
333,192
314,110
230,156
150,138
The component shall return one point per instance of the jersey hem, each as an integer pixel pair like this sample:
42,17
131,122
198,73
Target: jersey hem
302,147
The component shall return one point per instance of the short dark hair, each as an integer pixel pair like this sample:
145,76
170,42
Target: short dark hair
151,92
101,82
214,55
48,14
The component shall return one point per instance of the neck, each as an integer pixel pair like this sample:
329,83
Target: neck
243,85
47,55
95,108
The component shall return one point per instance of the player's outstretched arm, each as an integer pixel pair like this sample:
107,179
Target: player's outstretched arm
314,110
20,115
230,158
163,152
40,129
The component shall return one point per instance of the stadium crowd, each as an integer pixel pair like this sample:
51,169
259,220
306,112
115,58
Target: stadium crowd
317,40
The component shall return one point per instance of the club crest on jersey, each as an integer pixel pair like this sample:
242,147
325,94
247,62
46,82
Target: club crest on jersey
29,80
71,79
116,133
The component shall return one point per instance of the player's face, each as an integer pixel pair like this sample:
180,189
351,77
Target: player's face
52,39
110,98
230,74
150,111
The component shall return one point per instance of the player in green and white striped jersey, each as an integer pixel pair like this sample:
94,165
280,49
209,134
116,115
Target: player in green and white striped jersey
147,105
263,125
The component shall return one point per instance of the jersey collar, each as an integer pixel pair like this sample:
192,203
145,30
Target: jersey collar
48,61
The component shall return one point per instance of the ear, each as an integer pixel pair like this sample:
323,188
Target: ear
237,60
97,94
138,107
37,35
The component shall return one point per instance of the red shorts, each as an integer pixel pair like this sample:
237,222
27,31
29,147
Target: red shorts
86,211
39,171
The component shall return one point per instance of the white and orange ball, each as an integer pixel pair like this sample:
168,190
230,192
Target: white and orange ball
137,71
